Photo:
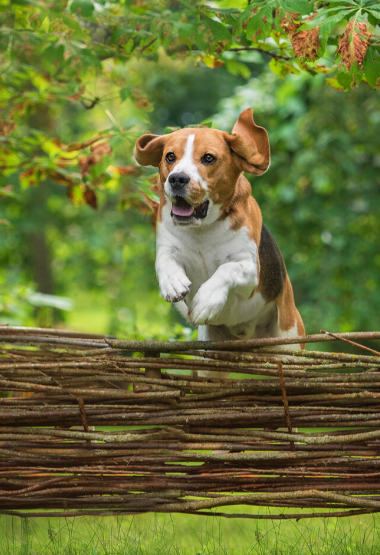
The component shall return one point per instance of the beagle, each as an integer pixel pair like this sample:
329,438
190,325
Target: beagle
215,258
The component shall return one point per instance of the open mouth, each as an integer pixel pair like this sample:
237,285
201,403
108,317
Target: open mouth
185,212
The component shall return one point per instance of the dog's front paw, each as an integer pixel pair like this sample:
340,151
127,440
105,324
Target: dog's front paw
207,304
174,288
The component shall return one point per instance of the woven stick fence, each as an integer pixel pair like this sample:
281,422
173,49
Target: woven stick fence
184,443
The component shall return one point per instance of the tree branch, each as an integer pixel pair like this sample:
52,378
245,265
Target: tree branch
257,49
147,46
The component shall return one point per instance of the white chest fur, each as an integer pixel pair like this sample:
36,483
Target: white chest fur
215,270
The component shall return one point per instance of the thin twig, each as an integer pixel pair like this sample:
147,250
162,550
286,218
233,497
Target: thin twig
146,46
340,338
262,51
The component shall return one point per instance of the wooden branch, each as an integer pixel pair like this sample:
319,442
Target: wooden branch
192,443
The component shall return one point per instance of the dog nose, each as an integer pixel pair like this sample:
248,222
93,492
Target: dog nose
178,180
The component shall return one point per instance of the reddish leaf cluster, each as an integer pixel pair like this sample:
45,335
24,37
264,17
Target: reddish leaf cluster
126,170
305,42
77,95
140,100
98,150
89,196
289,24
32,176
96,156
77,145
62,179
6,127
4,191
353,44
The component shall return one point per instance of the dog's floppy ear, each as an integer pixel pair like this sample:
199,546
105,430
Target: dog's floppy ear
249,144
149,149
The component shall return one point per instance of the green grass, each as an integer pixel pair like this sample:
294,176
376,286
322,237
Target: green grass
189,535
180,534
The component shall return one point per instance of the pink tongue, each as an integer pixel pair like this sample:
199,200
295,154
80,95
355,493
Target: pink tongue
182,210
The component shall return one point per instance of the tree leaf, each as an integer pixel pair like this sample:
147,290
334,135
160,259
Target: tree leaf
32,177
82,7
6,127
328,22
125,93
368,2
345,2
353,44
8,191
89,196
71,23
302,7
345,80
334,83
211,61
238,68
54,53
282,68
187,31
220,33
374,18
88,58
372,68
126,170
215,35
375,8
78,146
290,24
260,23
228,16
305,42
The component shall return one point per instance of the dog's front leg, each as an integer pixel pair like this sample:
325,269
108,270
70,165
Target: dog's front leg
239,277
173,281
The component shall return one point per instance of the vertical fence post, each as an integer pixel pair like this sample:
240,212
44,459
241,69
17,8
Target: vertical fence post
153,372
285,403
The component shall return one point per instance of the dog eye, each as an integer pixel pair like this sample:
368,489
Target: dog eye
208,159
170,157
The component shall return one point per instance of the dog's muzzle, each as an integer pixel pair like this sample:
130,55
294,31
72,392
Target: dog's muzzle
183,212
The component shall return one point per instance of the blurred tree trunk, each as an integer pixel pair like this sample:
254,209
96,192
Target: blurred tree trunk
41,261
39,255
39,249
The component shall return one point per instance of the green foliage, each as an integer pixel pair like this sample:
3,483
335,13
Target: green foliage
49,50
81,80
104,259
18,304
321,195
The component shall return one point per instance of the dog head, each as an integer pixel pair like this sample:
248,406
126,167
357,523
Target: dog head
199,167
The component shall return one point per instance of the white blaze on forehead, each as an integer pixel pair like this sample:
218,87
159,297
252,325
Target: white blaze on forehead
187,165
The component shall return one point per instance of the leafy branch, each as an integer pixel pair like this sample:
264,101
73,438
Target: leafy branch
48,50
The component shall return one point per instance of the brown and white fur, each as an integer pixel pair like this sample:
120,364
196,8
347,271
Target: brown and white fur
223,268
